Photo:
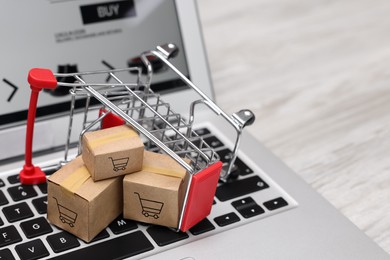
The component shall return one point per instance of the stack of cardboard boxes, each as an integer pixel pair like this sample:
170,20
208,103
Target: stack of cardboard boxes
115,175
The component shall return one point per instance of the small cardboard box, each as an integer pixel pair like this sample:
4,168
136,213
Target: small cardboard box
152,195
79,205
112,152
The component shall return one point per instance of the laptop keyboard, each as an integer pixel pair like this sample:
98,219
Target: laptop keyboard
26,234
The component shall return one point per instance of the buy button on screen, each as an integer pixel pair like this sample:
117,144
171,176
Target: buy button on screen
107,11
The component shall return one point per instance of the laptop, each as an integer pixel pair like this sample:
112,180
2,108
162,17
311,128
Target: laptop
265,211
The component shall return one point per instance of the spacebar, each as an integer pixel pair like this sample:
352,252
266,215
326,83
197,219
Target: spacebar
117,248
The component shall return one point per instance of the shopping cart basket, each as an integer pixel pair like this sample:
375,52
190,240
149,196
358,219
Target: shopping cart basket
163,130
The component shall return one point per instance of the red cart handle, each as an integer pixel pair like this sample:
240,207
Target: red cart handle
38,79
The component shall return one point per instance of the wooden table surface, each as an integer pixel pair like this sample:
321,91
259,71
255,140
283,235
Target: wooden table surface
317,75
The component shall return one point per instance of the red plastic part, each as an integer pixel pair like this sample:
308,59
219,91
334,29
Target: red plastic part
38,79
201,196
110,120
41,78
31,175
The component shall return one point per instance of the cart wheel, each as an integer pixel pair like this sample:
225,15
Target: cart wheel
71,225
116,169
156,216
146,214
62,219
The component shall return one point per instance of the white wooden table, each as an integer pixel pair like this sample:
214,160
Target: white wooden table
317,75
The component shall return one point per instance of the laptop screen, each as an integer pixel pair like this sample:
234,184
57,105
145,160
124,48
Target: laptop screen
74,36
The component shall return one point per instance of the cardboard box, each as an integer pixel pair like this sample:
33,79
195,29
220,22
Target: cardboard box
163,164
112,152
151,195
79,205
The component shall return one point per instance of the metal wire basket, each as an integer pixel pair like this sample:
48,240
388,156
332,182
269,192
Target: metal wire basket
162,129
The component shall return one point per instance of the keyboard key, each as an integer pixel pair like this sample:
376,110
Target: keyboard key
120,225
252,211
6,254
102,235
2,184
213,142
234,172
117,248
17,212
164,236
202,131
239,188
40,205
63,241
34,249
43,187
36,227
247,207
3,200
9,235
22,192
226,219
242,203
275,203
49,172
202,227
226,155
13,179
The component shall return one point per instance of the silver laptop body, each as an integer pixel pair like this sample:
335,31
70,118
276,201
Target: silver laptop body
285,217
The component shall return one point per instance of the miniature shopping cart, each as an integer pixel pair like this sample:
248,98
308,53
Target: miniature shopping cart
162,129
66,215
150,208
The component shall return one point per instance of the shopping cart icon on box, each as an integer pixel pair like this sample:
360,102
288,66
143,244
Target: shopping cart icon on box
67,216
150,208
119,164
129,99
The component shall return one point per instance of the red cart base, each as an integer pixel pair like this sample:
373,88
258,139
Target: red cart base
32,175
201,196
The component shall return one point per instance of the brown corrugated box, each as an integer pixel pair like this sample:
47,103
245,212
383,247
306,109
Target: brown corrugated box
155,195
112,152
79,205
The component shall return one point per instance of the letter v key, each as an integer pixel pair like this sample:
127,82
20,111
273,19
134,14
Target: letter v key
32,250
